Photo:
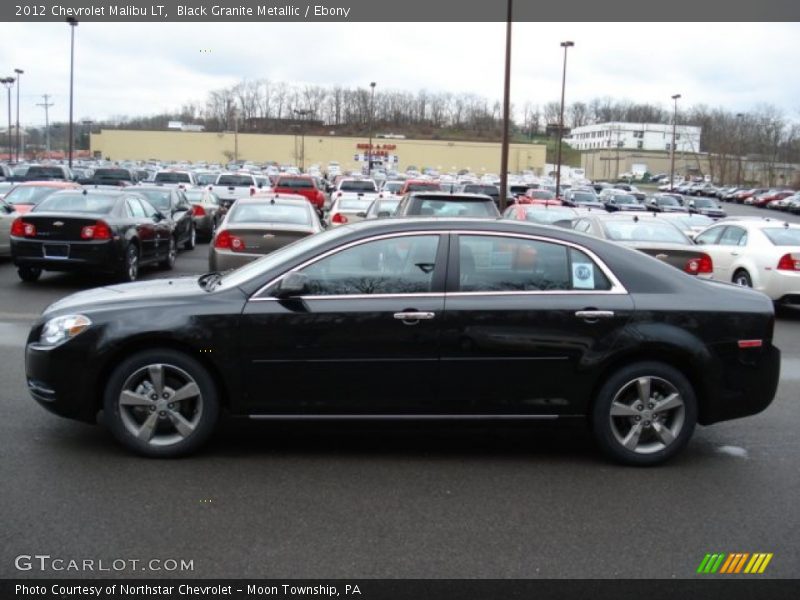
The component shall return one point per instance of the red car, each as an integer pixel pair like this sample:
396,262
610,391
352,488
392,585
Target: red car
419,185
543,197
764,199
303,185
25,196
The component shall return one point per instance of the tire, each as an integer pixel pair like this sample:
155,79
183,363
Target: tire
29,274
192,241
160,428
169,262
130,268
742,277
630,435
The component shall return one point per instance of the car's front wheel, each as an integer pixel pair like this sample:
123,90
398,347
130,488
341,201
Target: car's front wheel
172,254
190,243
161,403
644,414
129,270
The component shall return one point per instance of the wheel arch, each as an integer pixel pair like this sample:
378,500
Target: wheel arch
118,354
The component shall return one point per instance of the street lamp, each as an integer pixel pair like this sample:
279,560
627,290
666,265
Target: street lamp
8,82
506,112
739,119
564,45
371,117
73,23
19,73
303,114
672,145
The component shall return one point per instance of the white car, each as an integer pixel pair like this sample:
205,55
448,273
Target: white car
760,253
349,209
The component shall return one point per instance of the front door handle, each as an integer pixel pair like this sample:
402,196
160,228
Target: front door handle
595,314
414,316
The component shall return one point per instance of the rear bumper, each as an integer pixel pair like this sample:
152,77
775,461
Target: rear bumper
103,256
749,382
222,260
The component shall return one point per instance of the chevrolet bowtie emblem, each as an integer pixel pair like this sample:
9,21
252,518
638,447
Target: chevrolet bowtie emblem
268,235
662,256
58,223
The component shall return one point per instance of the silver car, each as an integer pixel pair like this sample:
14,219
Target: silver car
258,225
7,216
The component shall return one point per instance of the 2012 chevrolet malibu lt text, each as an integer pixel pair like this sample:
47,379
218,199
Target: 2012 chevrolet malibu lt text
415,318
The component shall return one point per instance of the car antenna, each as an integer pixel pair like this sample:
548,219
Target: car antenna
85,191
635,218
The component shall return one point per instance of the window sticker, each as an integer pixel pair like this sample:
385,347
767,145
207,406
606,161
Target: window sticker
583,276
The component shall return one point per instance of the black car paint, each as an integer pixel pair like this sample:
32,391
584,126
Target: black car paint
506,354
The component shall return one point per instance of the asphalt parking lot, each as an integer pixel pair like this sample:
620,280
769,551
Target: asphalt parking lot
370,501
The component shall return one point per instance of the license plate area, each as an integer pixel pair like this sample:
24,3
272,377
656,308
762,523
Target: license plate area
55,250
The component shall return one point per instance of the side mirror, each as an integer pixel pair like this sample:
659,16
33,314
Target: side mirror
293,284
653,201
158,217
361,214
383,214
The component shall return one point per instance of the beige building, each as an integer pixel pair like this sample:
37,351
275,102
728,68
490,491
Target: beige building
120,144
603,164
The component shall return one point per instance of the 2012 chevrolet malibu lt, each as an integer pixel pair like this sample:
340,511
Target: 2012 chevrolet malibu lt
427,318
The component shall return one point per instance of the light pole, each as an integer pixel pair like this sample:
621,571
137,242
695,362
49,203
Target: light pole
19,73
371,117
506,112
564,45
236,136
73,23
88,133
739,119
672,145
303,114
46,105
8,82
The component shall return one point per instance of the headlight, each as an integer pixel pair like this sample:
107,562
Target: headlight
61,329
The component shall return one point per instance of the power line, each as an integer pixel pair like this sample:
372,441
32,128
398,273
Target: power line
46,105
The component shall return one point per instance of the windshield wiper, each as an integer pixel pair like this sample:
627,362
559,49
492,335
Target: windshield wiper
209,280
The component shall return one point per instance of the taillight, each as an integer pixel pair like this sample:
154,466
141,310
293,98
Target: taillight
789,262
198,210
19,228
338,218
99,231
701,264
230,242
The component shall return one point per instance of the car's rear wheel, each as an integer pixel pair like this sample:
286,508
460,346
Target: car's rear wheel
161,403
644,414
29,274
192,241
130,267
742,277
172,253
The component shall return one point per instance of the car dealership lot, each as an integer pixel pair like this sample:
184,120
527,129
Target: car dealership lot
389,500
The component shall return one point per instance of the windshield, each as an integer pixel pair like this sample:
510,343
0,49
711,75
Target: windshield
270,213
668,201
393,186
357,186
422,186
112,174
783,236
29,194
704,203
170,177
488,190
76,202
158,198
583,198
277,257
651,231
47,172
452,208
235,180
624,199
206,178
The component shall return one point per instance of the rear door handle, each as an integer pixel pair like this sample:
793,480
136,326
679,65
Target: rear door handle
414,316
594,314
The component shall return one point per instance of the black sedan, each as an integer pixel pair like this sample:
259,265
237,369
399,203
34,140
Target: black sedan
706,207
173,203
104,231
415,319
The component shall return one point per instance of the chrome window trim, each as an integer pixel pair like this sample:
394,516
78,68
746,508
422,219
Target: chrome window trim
616,286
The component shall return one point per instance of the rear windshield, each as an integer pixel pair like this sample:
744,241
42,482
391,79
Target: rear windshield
357,186
235,180
489,190
550,215
295,183
452,208
393,186
49,172
206,178
651,231
783,236
542,195
113,174
581,198
29,194
270,213
158,198
624,199
669,201
172,178
78,203
421,187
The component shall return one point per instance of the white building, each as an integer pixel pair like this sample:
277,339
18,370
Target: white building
635,136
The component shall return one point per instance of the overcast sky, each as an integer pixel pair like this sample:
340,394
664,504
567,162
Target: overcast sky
134,69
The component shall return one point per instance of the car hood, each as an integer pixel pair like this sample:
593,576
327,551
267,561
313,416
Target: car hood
157,290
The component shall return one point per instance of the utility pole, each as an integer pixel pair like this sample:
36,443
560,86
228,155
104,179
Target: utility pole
564,45
46,105
506,110
19,73
672,145
8,82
